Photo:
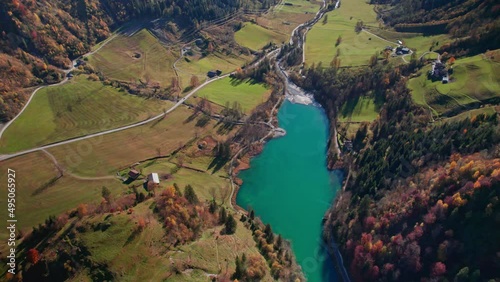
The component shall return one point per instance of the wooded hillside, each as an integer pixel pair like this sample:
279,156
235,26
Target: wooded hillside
38,37
474,23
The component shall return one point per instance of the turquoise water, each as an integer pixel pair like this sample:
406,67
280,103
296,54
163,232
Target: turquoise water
289,186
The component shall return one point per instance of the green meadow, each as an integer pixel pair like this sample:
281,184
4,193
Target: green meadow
227,90
79,107
473,80
255,37
38,196
358,110
355,49
200,66
299,6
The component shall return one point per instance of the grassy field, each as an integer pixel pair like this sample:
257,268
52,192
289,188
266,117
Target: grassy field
79,107
36,200
200,66
414,41
354,113
255,37
359,110
424,43
107,154
35,171
355,48
139,57
473,80
247,93
299,6
202,181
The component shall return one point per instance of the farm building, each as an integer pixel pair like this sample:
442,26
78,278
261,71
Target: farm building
154,178
133,174
401,50
438,72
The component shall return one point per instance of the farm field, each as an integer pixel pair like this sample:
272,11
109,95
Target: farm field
110,153
355,49
255,37
228,90
37,199
473,81
139,57
79,107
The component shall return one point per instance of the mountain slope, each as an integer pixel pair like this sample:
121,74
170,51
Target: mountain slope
38,37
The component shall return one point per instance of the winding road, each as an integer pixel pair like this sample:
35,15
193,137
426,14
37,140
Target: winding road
180,102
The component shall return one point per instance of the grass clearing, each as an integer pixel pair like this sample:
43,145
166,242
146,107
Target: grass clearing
77,108
228,90
355,48
255,37
34,203
299,6
473,80
134,58
359,110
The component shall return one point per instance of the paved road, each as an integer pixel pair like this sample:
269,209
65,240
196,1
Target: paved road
9,156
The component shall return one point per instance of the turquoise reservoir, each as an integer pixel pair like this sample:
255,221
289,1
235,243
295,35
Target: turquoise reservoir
289,186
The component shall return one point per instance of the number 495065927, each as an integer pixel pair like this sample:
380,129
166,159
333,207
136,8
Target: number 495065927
11,196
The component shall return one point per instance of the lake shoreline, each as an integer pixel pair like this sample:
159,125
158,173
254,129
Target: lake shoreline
307,157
